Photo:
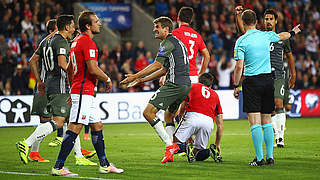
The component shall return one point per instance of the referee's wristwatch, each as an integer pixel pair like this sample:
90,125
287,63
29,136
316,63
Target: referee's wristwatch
235,86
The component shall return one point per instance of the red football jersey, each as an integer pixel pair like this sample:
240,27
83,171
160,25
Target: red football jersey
193,42
204,100
82,50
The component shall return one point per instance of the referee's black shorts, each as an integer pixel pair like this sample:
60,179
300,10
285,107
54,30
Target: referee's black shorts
258,94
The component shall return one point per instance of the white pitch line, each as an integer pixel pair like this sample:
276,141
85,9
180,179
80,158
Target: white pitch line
34,174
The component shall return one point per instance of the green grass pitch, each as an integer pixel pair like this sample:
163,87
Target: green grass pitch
138,150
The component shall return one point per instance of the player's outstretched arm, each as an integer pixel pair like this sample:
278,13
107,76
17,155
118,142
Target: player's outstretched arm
287,35
205,61
144,72
219,131
239,23
155,75
160,73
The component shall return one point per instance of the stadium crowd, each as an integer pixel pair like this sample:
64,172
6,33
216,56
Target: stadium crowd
22,26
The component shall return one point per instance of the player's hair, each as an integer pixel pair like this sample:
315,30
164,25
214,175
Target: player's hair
249,17
165,22
272,12
51,25
206,79
63,21
185,14
84,19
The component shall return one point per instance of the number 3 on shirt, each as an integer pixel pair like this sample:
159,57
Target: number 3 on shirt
205,92
191,42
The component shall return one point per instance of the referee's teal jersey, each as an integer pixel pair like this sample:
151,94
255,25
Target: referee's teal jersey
254,48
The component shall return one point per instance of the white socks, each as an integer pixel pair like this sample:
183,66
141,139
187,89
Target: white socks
77,148
278,124
282,123
162,133
39,133
170,131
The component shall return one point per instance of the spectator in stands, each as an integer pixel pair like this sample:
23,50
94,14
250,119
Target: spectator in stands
306,81
7,88
27,12
27,26
3,45
126,67
36,24
314,83
299,81
139,49
14,46
149,57
16,25
2,66
141,63
117,56
105,54
312,43
20,81
127,51
26,45
225,68
4,25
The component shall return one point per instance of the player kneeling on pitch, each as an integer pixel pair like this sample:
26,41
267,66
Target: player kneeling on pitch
200,109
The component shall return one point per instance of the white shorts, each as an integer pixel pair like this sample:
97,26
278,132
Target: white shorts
194,79
83,109
195,124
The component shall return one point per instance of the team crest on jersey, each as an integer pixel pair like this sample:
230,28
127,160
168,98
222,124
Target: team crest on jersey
62,51
84,116
63,110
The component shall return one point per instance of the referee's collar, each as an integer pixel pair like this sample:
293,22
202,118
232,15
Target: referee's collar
251,30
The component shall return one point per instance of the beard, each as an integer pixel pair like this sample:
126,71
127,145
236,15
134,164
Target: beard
95,32
269,28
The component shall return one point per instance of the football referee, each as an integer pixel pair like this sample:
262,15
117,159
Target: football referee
252,53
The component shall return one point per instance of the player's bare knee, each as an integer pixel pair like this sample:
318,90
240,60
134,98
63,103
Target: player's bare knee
96,126
75,127
59,121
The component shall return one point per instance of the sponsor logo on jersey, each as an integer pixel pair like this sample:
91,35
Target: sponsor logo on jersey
84,116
